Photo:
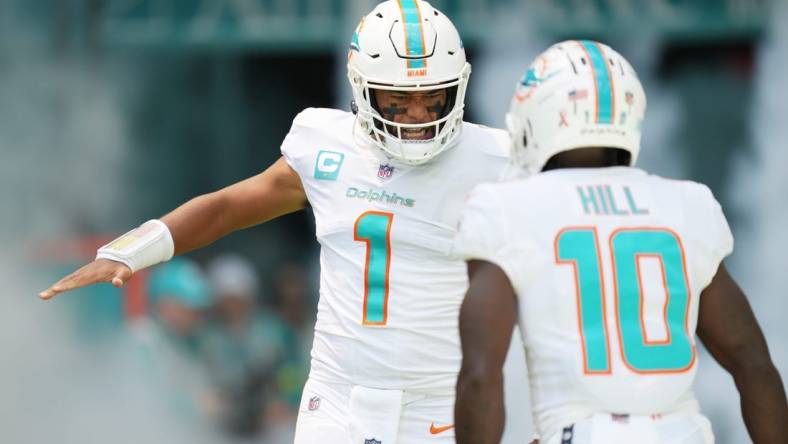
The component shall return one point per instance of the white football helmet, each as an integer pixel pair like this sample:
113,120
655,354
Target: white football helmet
407,45
577,94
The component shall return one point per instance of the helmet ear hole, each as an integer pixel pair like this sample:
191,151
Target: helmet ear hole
526,131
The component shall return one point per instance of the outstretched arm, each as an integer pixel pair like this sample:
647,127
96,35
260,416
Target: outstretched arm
204,219
730,332
487,317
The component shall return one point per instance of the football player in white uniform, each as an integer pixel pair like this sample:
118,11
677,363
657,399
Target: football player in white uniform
610,272
386,187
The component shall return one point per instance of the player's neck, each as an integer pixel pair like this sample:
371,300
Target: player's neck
595,157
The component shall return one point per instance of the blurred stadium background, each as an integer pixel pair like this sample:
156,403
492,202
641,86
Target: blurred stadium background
113,112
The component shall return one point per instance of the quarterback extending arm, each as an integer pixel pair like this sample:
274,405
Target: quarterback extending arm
487,318
274,192
730,332
204,219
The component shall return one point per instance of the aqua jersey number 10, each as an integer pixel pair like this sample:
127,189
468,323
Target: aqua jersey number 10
579,247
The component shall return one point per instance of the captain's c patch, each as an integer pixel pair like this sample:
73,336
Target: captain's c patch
328,164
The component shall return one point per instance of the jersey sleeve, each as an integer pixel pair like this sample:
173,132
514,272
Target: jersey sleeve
717,233
295,147
723,234
482,230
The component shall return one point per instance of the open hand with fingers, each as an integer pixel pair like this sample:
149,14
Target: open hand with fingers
100,270
146,245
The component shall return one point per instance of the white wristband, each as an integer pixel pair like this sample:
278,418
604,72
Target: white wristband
141,247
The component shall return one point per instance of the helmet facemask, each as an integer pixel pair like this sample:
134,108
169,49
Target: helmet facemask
390,136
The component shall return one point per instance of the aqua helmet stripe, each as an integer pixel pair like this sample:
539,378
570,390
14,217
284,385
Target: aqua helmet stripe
414,33
605,100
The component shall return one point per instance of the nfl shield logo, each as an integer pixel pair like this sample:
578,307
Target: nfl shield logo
371,441
314,403
385,171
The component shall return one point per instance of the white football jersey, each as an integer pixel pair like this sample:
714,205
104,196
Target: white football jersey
389,291
608,265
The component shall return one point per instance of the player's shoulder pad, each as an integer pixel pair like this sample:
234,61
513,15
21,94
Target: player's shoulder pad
319,118
482,230
492,195
699,190
532,183
537,192
714,228
492,141
313,127
696,192
699,198
704,194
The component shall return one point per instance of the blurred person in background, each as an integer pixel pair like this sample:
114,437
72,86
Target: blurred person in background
169,345
244,345
610,272
292,298
386,187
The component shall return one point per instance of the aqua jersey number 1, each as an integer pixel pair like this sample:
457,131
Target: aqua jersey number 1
374,229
